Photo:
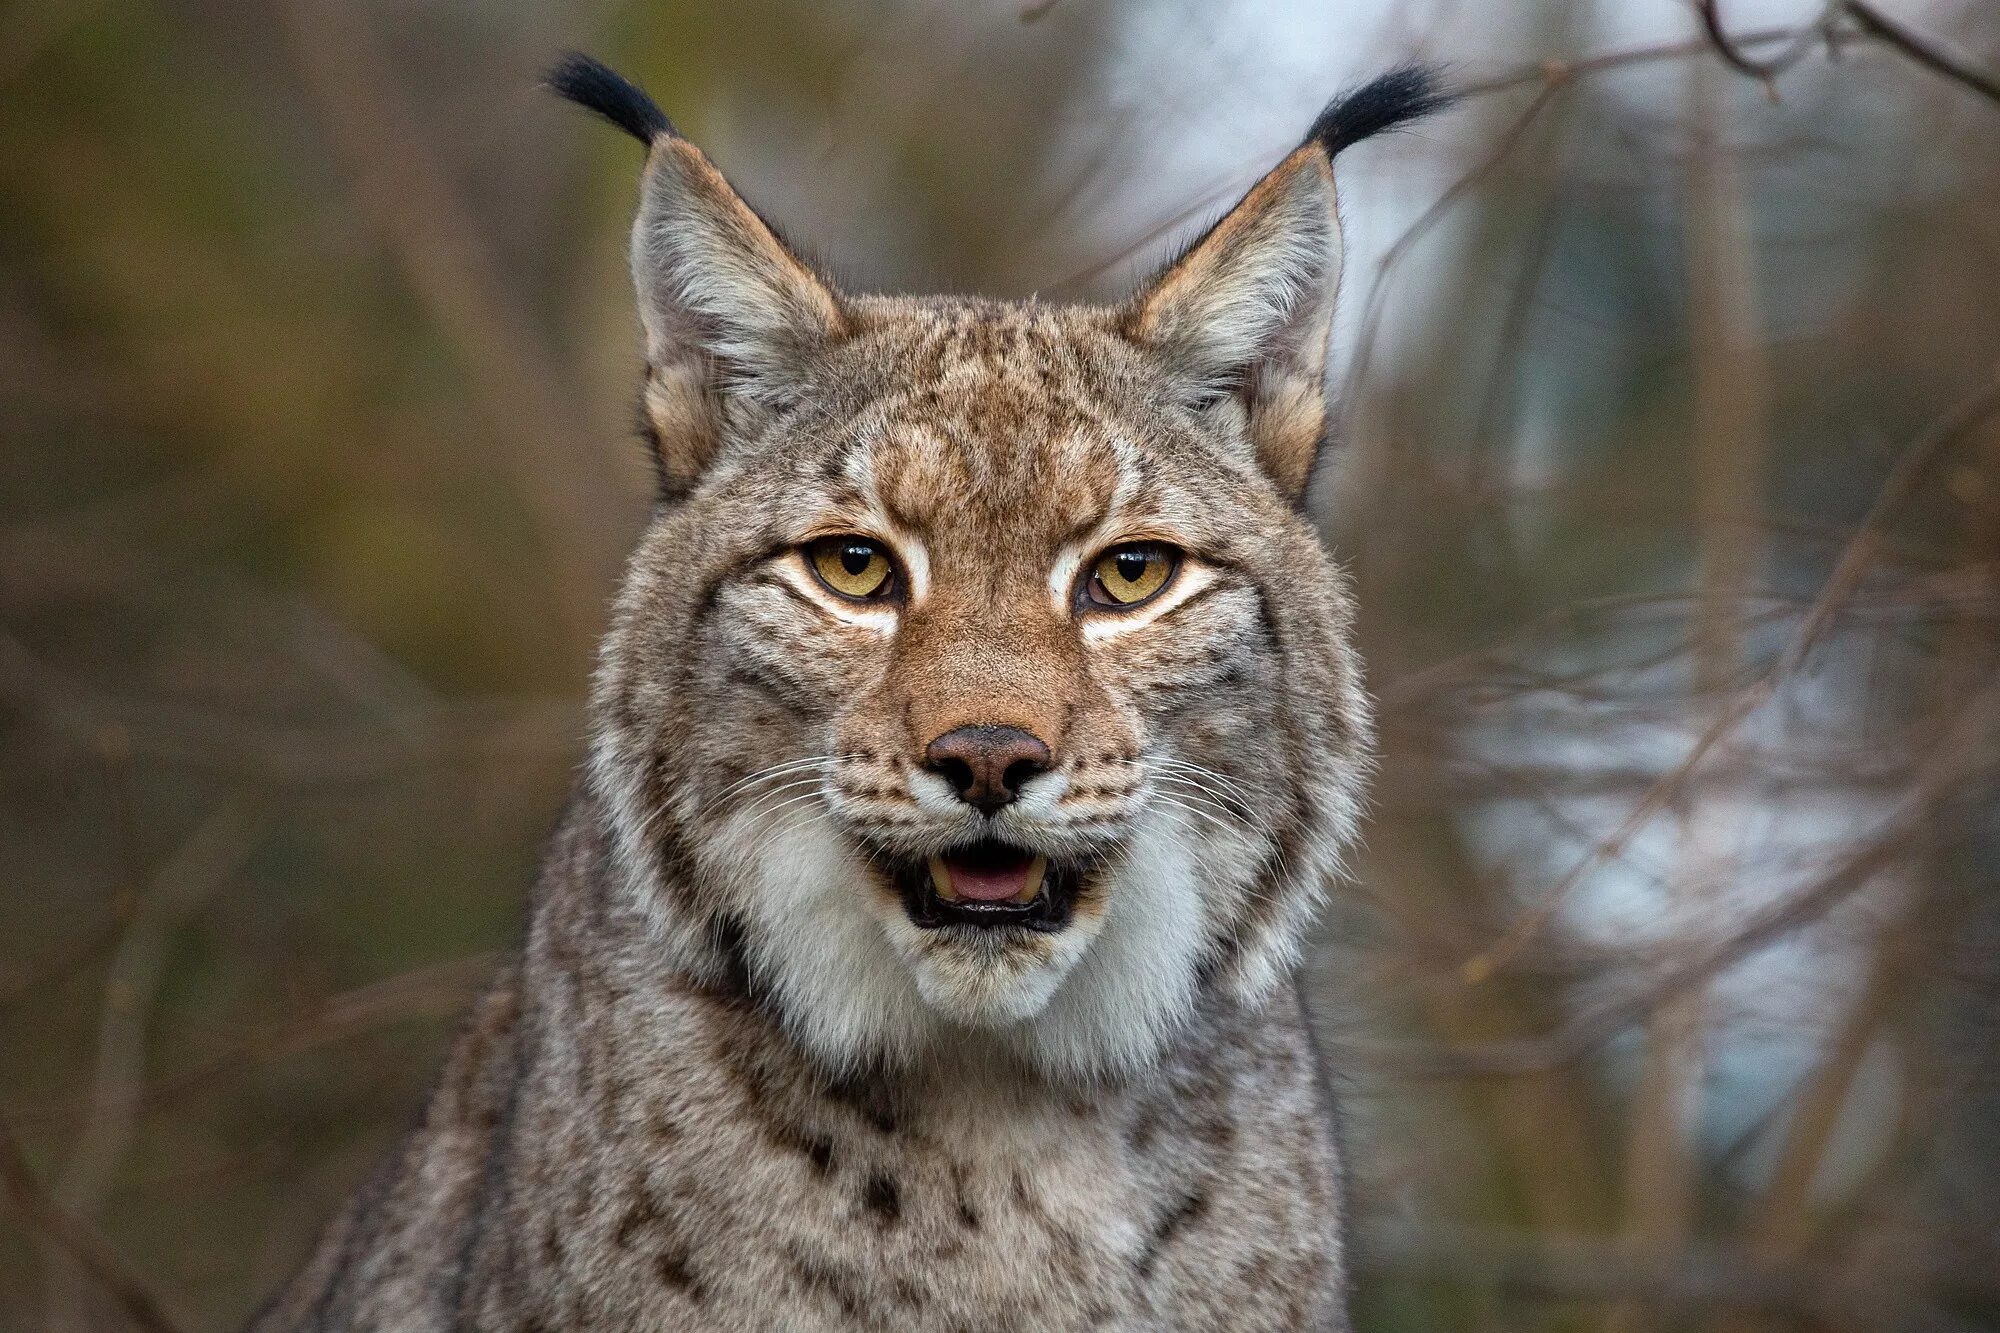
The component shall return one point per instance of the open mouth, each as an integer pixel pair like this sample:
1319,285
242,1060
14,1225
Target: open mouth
989,884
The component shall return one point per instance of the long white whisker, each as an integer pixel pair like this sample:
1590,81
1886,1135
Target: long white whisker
789,803
1225,790
1210,796
1178,815
1215,819
1220,780
765,774
800,821
787,785
761,804
1205,795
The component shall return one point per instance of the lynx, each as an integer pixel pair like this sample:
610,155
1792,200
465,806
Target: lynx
977,731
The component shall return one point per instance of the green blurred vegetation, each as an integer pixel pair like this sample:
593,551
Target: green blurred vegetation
315,361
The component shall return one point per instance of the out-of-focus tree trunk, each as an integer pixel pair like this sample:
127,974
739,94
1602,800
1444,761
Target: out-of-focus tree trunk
1662,1163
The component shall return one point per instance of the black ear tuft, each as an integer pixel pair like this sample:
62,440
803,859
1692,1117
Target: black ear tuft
595,86
1395,99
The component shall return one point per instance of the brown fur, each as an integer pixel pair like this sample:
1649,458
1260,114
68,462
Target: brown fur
728,1083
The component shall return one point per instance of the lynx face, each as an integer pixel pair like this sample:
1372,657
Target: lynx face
978,683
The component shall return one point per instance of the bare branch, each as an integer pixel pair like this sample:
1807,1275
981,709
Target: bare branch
1564,71
1847,574
433,990
1767,69
72,959
1899,38
1509,139
463,732
57,1229
211,854
1953,758
519,388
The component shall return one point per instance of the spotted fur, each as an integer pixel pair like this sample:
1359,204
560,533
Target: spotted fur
729,1082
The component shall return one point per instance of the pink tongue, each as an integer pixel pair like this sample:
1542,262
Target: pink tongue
987,884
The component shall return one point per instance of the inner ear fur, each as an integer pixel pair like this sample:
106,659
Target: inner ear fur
732,316
1248,308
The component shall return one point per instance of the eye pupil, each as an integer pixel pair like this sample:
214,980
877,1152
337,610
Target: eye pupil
1130,574
853,566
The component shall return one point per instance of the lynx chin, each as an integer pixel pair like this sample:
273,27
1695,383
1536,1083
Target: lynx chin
977,731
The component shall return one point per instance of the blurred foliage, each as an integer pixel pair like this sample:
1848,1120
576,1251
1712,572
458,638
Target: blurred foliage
315,358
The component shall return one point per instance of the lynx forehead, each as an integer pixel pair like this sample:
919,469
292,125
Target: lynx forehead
1000,650
979,682
977,729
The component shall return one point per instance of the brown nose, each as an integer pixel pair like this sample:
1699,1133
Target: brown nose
986,766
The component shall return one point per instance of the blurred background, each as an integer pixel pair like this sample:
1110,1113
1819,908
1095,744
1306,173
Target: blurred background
1667,991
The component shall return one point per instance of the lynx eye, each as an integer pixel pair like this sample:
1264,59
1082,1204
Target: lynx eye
854,567
1128,575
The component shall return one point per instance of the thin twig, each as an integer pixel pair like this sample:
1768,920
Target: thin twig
459,733
1767,69
1546,75
1853,565
1777,1229
71,960
1730,434
433,990
521,391
1503,147
206,861
1565,71
1959,754
54,1227
1893,34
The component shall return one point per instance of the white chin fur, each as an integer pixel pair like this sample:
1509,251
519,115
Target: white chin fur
969,981
857,982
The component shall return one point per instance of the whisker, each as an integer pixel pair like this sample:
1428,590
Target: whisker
1225,790
1175,803
774,770
759,806
1209,795
800,821
1234,792
1267,825
789,803
1251,891
1219,779
1178,816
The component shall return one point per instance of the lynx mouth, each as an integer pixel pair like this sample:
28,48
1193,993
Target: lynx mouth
989,884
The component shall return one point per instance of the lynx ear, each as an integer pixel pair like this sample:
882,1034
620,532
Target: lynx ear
731,314
1245,312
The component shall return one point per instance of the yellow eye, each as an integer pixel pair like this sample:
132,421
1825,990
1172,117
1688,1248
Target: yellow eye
852,566
1129,575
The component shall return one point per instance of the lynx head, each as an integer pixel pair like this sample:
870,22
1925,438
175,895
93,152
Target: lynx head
978,682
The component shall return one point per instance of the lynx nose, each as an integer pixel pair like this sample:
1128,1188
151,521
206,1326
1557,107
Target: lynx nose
986,766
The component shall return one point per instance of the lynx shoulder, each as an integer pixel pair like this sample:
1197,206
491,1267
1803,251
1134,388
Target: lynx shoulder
977,731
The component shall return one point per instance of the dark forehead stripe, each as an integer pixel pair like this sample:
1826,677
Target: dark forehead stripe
1030,473
987,414
1013,417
